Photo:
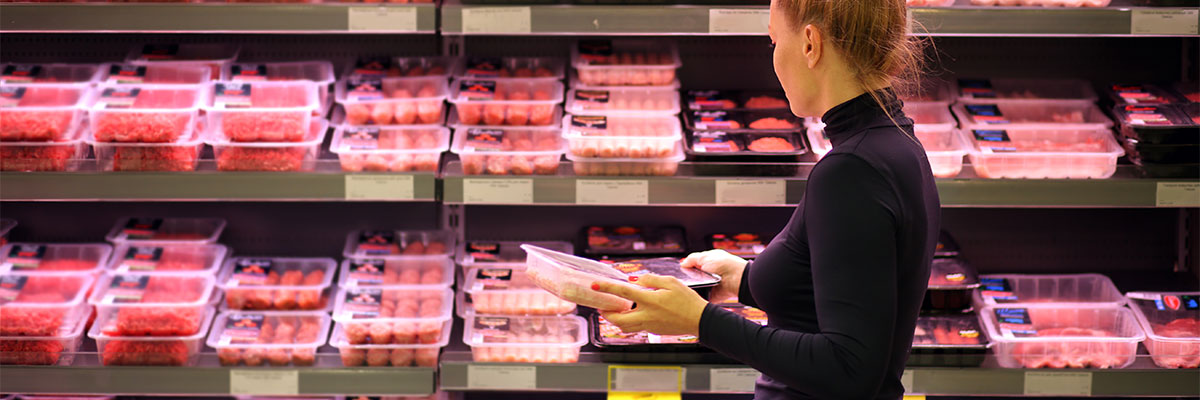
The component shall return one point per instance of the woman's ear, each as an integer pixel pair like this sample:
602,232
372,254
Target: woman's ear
813,45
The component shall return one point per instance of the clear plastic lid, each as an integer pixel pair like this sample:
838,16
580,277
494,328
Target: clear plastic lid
148,97
1151,116
622,240
389,244
570,278
1069,288
512,67
949,332
665,128
1168,315
319,72
101,331
930,115
339,340
630,53
743,121
1044,140
665,266
432,66
370,89
1058,322
168,230
416,272
1062,114
952,274
506,91
259,96
371,304
1025,89
735,100
276,273
624,102
318,128
28,290
43,97
54,257
142,289
498,279
269,329
162,74
168,258
389,139
506,254
931,91
1143,94
49,73
721,143
525,331
508,141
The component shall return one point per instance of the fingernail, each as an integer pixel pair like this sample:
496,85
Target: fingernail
595,286
633,279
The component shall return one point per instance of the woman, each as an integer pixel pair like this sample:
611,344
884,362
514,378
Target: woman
843,282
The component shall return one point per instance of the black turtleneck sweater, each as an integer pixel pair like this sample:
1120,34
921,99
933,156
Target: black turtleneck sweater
843,282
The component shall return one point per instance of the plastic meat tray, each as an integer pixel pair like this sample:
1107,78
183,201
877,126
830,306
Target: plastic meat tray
625,62
501,150
393,314
276,338
168,258
949,341
745,154
502,254
373,100
509,291
262,111
53,349
640,137
412,271
41,112
276,283
1063,335
393,148
1062,115
513,67
271,156
396,244
599,166
146,230
119,73
165,351
49,73
148,304
743,121
318,72
1147,94
1003,90
423,354
395,67
624,101
506,102
179,156
42,304
527,339
1156,124
1071,288
570,278
1042,151
215,57
54,257
1171,321
735,100
61,155
145,113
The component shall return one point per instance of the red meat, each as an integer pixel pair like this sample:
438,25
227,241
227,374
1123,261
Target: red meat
16,320
30,352
144,127
157,353
1068,353
261,159
35,158
1176,353
162,320
35,126
174,159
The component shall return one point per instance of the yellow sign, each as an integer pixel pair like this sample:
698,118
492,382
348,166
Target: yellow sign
626,382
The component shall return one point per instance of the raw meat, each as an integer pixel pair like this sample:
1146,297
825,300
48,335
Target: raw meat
38,158
149,353
302,330
947,331
267,159
764,102
164,158
385,355
1068,353
625,168
43,318
501,160
405,317
279,297
402,107
173,111
623,100
50,121
513,295
624,138
772,123
166,313
526,339
30,352
512,103
771,144
382,160
1176,353
622,68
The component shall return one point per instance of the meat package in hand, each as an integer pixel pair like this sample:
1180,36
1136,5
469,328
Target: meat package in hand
253,283
506,102
151,350
571,278
400,67
263,111
33,304
1063,336
144,113
141,304
625,62
393,101
40,113
1172,324
276,338
509,151
389,148
528,339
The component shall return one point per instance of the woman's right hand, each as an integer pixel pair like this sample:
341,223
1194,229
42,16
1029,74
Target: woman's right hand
719,262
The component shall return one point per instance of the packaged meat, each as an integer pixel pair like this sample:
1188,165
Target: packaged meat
742,121
1156,124
168,258
317,72
66,154
396,67
946,246
635,137
6,226
745,245
665,266
634,241
145,113
599,166
509,291
1188,90
949,341
172,230
33,304
526,339
1005,90
215,57
1048,114
393,148
275,338
420,272
1043,3
624,102
575,83
930,3
372,100
930,90
1003,290
625,62
276,283
262,111
54,257
1171,321
502,254
1161,153
735,100
512,67
54,349
121,73
398,354
951,283
515,102
1062,335
571,278
609,337
500,150
179,156
389,244
149,304
49,73
1041,151
393,314
161,351
721,153
1140,94
271,156
41,112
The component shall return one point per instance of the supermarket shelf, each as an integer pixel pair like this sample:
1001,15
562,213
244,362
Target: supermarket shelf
212,18
699,20
212,380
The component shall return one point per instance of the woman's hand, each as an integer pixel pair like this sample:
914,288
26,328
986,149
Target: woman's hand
671,309
719,262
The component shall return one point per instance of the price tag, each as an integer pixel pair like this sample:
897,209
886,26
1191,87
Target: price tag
645,379
1177,194
738,21
492,20
643,396
906,380
752,192
498,191
605,191
402,19
1164,22
732,380
379,187
501,377
1058,383
264,382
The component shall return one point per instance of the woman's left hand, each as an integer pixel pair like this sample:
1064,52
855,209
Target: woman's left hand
671,309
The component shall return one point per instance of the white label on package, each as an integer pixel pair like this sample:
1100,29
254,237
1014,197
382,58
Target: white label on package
752,192
264,382
493,20
1177,194
738,21
612,192
379,187
645,379
1164,22
501,377
392,19
732,380
498,191
1056,383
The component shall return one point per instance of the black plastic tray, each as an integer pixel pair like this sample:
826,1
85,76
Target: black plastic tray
1181,171
649,235
743,119
742,163
1168,153
1179,130
600,343
735,99
944,355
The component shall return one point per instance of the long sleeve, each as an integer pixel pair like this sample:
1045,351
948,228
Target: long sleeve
853,246
744,294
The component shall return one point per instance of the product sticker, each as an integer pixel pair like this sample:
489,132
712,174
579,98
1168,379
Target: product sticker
11,96
996,290
20,73
242,328
595,51
118,97
142,228
994,141
26,256
713,142
710,100
159,52
365,87
477,90
126,289
986,113
372,66
361,138
1175,303
363,303
378,243
1015,322
592,96
126,73
141,258
1145,115
248,72
483,140
233,95
1136,94
484,67
596,122
484,251
492,329
714,119
251,272
976,88
10,287
366,272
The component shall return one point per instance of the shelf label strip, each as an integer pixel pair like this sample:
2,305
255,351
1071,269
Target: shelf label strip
1177,194
628,381
738,21
498,191
495,20
1058,383
751,192
379,187
393,19
732,380
264,382
1164,22
612,192
502,377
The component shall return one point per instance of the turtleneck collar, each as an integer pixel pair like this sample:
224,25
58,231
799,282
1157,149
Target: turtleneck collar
862,113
